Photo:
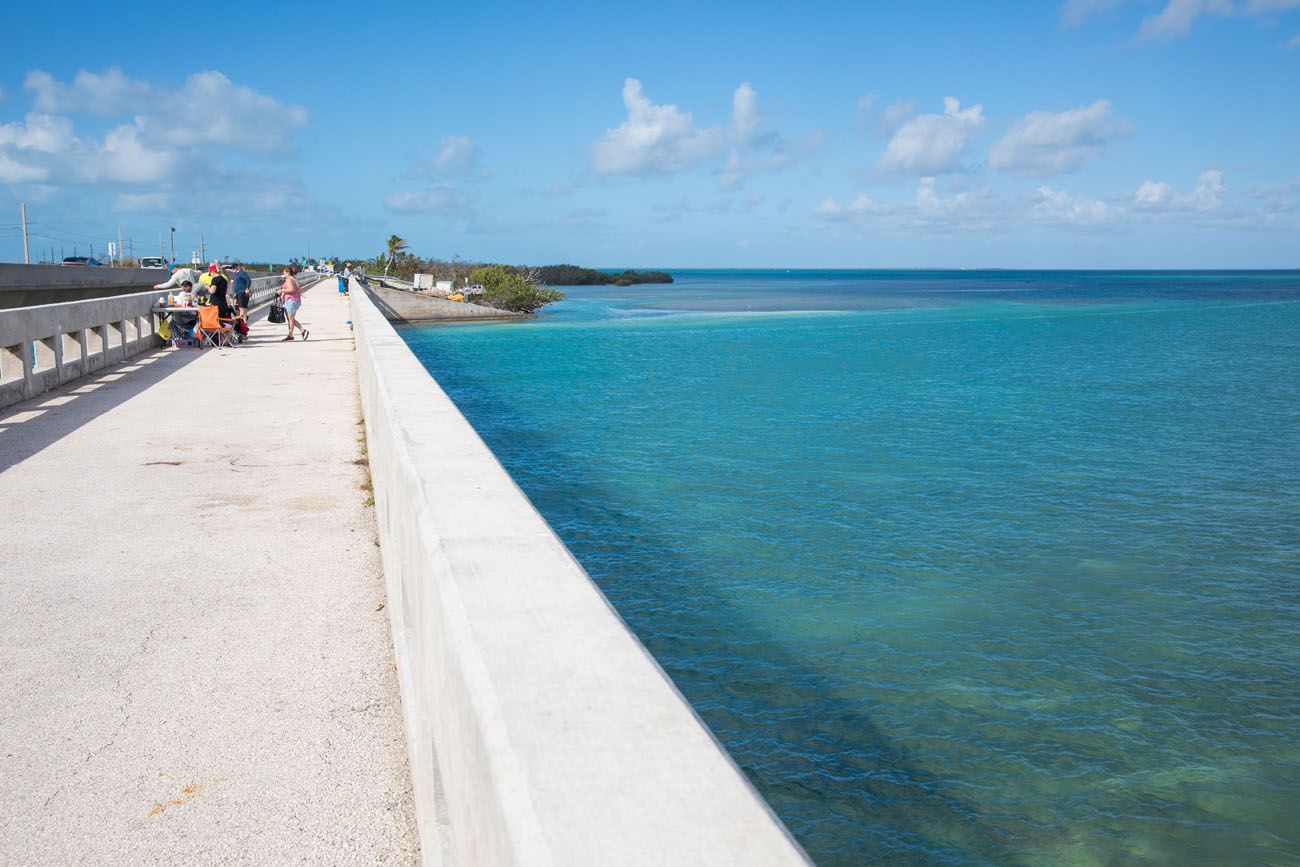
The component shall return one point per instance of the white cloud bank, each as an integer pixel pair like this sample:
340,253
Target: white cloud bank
933,144
1045,143
169,140
1058,208
932,207
980,209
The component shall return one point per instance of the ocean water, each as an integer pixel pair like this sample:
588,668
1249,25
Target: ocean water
961,567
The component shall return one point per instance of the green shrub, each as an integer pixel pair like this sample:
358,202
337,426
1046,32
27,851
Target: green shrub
506,289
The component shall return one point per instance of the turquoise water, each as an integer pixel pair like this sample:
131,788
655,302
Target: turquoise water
962,568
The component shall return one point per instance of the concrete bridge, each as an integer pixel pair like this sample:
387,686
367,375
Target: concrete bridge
280,603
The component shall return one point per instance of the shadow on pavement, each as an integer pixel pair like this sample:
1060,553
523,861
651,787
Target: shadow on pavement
28,427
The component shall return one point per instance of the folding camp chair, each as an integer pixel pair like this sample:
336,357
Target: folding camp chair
211,331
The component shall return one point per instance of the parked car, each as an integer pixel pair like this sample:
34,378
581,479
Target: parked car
82,261
153,262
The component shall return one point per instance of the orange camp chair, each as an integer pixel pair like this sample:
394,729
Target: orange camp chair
210,330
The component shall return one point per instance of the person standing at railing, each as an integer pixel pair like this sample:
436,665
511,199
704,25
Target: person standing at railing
241,286
179,276
291,294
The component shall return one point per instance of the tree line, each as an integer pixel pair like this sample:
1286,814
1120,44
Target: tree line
522,288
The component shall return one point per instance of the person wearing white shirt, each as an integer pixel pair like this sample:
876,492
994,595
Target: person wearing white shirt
179,276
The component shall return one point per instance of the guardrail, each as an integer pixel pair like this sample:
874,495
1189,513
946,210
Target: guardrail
49,345
539,729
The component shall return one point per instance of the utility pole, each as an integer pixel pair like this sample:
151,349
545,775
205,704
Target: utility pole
203,251
119,245
173,245
26,260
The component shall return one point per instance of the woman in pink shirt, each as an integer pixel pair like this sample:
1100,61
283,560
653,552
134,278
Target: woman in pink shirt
291,295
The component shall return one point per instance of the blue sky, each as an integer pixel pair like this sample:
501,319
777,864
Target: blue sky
1086,133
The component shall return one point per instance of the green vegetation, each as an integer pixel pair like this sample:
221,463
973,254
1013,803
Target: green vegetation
507,288
395,246
572,275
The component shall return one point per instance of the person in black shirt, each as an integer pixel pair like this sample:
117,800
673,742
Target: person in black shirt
218,291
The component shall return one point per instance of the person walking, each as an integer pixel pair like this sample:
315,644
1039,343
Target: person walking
291,295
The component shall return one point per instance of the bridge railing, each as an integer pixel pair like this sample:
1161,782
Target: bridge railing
49,345
539,729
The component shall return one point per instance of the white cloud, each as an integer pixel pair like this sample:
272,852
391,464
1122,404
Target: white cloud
654,140
664,140
440,197
43,133
932,144
932,207
867,103
951,206
1279,199
863,204
1208,196
747,122
896,115
964,209
756,145
1153,194
211,110
208,109
170,148
125,159
452,193
14,172
1058,208
1044,143
106,95
53,150
1177,17
457,156
144,203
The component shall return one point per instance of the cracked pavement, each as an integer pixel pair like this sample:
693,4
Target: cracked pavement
195,659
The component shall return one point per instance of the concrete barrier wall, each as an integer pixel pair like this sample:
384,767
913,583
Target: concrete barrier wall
32,285
45,346
399,305
540,730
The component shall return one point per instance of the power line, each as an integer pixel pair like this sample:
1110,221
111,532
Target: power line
68,231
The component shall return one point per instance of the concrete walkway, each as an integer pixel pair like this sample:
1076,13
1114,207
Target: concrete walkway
194,661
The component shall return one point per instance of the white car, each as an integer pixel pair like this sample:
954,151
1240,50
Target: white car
153,262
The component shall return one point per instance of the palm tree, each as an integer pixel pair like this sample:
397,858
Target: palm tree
394,245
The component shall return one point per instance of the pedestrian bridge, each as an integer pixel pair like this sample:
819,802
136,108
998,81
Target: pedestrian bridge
280,603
